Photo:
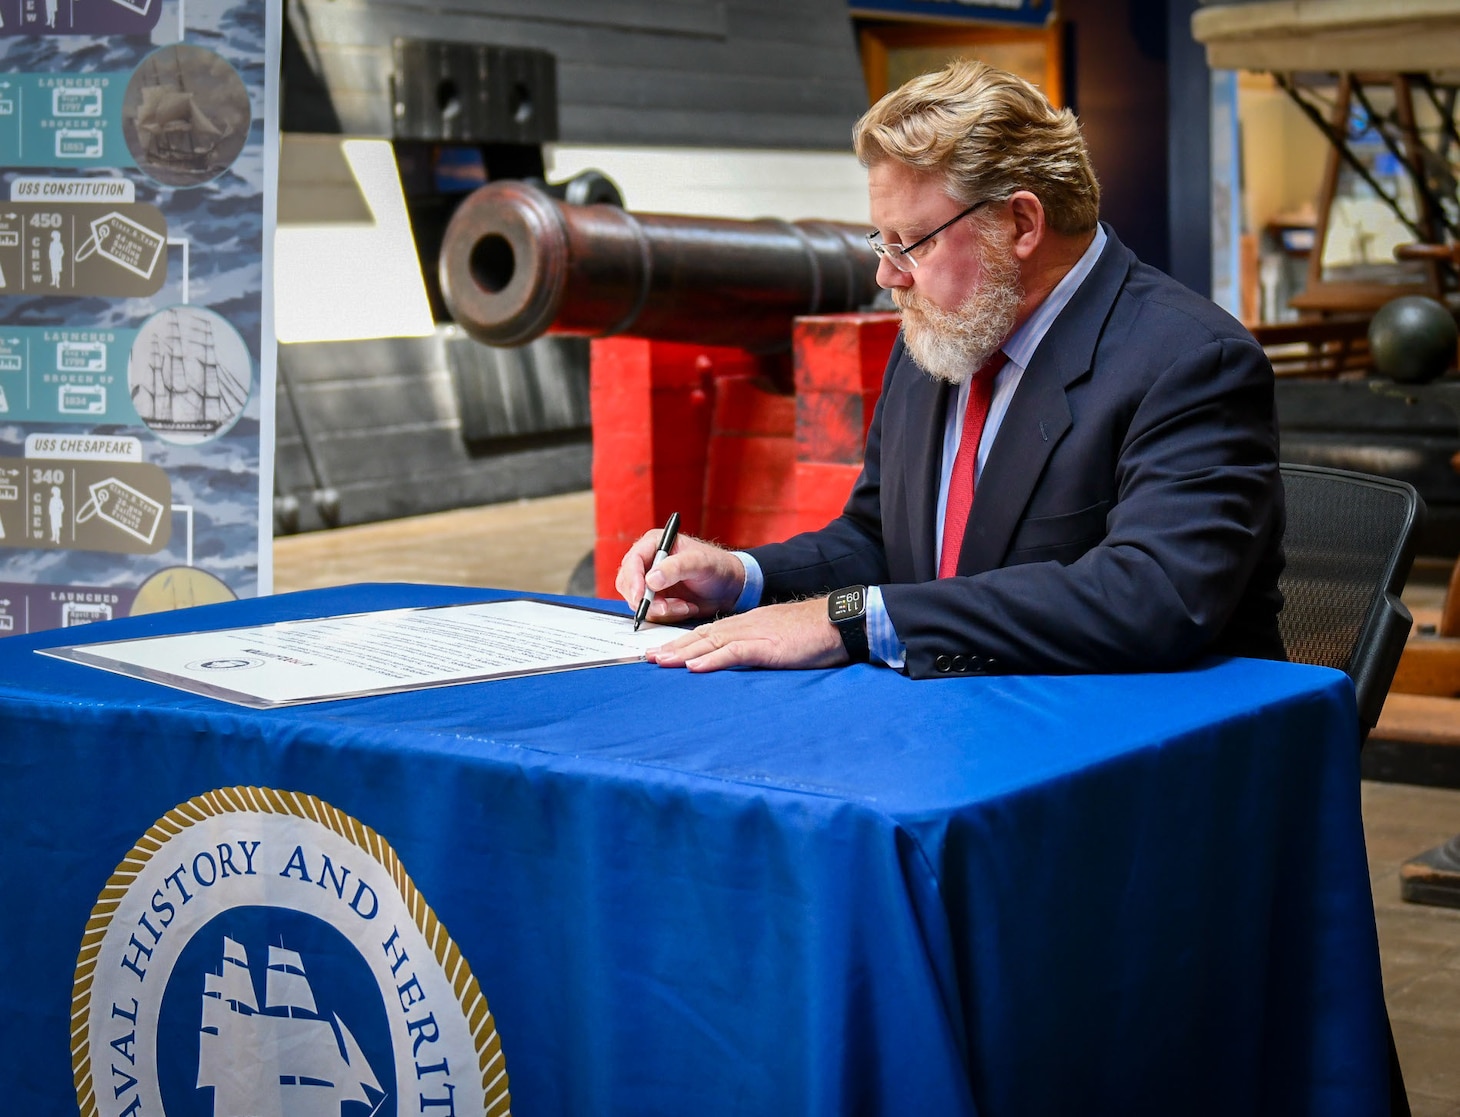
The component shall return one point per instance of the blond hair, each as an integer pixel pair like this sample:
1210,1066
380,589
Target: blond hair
989,133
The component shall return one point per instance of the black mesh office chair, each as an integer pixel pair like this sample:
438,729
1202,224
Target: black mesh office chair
1349,544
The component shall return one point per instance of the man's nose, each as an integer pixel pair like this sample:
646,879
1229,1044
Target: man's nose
889,276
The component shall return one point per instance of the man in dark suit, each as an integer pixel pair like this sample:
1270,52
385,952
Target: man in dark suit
1073,462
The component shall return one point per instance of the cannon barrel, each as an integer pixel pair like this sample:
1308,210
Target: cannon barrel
516,264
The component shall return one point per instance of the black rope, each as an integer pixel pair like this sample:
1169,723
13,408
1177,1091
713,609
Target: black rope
1448,134
1434,204
1340,143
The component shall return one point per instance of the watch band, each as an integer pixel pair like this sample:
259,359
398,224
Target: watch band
846,609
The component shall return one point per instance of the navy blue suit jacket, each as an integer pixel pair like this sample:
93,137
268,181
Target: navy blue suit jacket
1129,514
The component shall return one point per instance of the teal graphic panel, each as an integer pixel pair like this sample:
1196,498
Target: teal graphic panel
61,375
56,120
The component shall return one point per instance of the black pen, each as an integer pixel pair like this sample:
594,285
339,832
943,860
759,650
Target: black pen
666,544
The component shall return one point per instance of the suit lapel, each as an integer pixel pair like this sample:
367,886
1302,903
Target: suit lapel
1039,413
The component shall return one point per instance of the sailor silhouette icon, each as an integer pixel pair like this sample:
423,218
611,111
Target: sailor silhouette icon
57,253
56,514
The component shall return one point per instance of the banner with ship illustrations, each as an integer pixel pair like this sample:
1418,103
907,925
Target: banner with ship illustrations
137,165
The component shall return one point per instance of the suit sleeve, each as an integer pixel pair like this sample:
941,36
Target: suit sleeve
1198,500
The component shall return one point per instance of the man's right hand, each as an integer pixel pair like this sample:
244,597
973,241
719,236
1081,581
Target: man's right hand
698,580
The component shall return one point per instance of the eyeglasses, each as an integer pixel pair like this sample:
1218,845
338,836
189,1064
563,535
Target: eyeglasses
900,256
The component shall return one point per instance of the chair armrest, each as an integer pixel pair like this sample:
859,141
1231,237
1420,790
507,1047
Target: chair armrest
1381,646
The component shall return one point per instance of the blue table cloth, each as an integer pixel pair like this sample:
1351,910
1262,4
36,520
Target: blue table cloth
815,892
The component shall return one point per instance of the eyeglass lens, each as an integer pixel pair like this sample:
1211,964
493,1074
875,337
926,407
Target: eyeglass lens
900,256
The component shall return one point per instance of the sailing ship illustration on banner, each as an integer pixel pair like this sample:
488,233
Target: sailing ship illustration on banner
174,129
267,1064
186,114
186,388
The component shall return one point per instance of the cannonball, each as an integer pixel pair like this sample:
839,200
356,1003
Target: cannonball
1412,339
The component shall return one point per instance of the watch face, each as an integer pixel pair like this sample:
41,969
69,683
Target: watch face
847,604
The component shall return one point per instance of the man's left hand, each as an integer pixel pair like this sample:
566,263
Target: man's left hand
796,634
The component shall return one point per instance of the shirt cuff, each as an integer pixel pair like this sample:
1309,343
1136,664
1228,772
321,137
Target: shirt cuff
754,583
882,641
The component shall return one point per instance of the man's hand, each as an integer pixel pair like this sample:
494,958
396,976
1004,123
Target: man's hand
697,580
796,634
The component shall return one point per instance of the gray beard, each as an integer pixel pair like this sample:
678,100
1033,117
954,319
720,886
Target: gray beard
953,345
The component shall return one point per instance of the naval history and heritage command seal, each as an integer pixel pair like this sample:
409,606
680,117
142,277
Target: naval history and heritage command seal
259,953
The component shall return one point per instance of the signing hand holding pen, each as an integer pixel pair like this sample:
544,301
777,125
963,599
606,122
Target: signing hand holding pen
696,579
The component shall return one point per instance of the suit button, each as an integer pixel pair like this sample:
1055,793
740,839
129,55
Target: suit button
943,663
991,664
960,663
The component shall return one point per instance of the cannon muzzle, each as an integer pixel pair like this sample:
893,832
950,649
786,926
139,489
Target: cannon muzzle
517,264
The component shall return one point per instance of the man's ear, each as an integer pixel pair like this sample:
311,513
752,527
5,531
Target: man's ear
1029,226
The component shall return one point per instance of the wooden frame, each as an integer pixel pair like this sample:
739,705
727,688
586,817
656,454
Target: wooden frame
1404,36
1323,296
878,37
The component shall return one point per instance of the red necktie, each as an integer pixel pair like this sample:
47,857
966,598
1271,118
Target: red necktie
960,482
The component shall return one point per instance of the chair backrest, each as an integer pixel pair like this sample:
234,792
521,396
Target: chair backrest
1349,543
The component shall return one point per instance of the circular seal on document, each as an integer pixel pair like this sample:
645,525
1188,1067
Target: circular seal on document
226,663
260,952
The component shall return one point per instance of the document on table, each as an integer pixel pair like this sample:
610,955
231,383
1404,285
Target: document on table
376,653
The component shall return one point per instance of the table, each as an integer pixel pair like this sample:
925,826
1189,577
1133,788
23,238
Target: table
805,893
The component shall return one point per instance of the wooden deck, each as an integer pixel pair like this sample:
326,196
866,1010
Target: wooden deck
1423,718
535,545
525,545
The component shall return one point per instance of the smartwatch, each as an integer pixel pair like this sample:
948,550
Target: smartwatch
846,608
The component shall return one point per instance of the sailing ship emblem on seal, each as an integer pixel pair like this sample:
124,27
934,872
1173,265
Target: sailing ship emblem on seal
261,954
314,1065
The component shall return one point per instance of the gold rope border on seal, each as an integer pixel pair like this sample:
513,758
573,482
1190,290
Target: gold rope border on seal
267,800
